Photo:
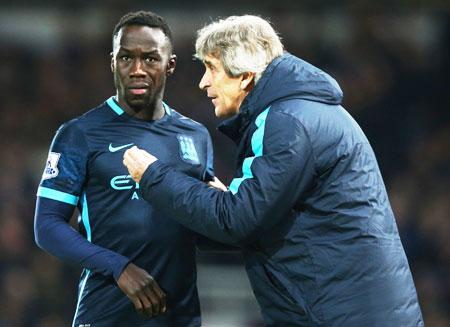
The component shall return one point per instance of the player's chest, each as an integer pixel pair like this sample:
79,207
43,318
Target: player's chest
185,151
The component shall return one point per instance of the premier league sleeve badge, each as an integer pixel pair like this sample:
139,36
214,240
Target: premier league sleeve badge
51,167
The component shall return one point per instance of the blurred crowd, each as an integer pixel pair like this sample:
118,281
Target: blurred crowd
393,68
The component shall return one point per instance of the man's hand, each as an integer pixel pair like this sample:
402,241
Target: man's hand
217,184
148,299
137,162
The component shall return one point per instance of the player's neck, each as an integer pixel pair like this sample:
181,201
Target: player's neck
152,111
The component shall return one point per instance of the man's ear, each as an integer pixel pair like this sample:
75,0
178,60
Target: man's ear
171,65
248,81
112,61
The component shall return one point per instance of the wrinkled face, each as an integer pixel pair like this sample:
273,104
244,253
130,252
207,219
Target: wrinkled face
141,60
227,93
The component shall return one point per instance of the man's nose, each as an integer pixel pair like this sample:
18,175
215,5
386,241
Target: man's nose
204,82
137,68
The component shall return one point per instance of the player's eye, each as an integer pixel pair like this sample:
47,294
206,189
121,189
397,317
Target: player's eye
125,58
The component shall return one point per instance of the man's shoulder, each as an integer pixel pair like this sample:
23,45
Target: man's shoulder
304,111
91,117
324,124
187,123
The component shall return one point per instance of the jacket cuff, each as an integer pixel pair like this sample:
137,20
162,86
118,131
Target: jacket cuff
154,174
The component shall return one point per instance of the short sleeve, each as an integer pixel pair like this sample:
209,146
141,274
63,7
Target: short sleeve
65,169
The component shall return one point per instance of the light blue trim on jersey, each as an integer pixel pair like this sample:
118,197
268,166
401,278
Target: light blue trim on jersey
257,148
85,218
80,294
87,227
49,193
167,109
114,106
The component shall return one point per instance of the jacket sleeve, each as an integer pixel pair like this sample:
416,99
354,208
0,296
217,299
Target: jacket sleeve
54,234
272,182
203,243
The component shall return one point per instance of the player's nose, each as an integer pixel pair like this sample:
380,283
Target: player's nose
137,68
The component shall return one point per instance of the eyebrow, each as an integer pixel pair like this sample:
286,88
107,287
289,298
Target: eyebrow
154,51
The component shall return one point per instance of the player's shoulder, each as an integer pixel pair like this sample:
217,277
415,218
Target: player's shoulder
91,118
95,116
187,122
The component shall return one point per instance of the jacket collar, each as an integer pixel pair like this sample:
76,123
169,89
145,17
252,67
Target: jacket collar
286,77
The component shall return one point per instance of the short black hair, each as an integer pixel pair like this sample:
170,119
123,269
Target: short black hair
144,18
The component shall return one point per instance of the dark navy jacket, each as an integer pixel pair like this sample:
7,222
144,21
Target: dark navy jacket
308,206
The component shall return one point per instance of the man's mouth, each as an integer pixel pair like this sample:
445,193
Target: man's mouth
138,89
213,99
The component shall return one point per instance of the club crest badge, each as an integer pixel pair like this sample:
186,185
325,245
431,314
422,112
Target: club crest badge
187,149
51,167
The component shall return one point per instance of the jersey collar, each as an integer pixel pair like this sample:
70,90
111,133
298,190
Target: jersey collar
112,103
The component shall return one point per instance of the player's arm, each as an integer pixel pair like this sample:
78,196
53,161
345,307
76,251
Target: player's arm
274,181
54,234
58,192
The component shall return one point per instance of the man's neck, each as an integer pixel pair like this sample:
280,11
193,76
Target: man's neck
152,111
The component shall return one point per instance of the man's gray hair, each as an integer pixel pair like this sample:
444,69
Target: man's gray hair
242,43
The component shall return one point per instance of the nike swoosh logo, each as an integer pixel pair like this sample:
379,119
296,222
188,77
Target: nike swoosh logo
117,148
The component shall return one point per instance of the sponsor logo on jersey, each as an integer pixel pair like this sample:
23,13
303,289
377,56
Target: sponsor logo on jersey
51,167
187,149
112,148
125,182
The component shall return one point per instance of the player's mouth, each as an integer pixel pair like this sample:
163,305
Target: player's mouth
138,89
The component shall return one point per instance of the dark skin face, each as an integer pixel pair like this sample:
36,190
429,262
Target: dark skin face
141,61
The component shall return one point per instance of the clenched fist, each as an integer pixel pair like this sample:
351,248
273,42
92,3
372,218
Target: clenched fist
137,162
145,293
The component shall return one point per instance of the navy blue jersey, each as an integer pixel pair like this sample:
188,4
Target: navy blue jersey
85,169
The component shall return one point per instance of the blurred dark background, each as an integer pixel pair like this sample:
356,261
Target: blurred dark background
390,58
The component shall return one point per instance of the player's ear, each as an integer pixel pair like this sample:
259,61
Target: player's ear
171,65
112,61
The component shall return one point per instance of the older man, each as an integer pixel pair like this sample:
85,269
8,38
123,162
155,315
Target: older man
307,205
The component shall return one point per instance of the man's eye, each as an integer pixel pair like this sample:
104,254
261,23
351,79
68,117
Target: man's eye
150,59
125,58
